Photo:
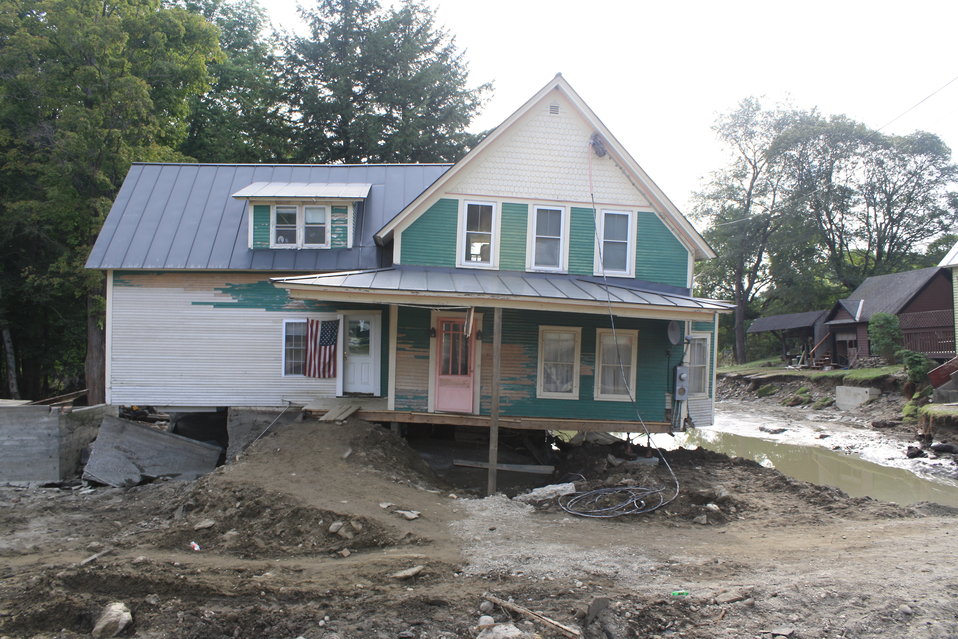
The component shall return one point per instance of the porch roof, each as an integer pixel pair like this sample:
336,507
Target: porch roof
507,289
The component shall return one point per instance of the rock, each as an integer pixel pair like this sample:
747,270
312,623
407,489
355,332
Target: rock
408,573
94,546
885,423
408,514
139,559
905,609
152,599
335,527
913,451
502,631
772,431
345,533
701,519
783,632
713,507
356,525
731,596
386,505
345,552
486,607
114,620
938,448
203,525
486,620
547,492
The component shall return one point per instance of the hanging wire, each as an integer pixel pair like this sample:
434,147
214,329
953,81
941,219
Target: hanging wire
620,500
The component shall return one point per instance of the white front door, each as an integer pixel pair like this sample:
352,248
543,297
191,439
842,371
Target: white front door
361,365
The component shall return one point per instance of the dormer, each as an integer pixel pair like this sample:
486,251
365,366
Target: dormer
302,215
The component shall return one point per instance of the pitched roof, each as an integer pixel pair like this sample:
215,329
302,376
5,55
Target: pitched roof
183,216
671,214
951,259
785,322
885,293
434,285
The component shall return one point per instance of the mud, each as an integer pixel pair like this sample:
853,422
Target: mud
774,553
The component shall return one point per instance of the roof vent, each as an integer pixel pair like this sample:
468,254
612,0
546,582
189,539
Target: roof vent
553,109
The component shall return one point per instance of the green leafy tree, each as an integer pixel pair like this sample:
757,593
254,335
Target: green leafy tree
243,116
378,85
884,335
87,88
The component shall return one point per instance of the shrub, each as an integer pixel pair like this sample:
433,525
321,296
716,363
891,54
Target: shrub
917,366
765,391
884,335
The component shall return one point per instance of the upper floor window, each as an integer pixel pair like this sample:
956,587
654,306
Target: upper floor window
299,226
478,234
616,238
548,231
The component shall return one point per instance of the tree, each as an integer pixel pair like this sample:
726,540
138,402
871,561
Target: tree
87,88
242,117
375,85
742,204
874,198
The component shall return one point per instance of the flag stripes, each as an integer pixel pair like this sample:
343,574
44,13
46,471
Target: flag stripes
321,338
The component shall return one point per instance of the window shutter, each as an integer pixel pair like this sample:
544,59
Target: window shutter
340,227
260,222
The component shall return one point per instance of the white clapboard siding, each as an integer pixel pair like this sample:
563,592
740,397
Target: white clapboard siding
700,410
167,350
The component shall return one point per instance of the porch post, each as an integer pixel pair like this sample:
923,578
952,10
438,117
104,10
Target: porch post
494,398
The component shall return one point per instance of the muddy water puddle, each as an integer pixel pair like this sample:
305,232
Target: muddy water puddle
827,452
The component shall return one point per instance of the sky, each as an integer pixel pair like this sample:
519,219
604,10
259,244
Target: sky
658,74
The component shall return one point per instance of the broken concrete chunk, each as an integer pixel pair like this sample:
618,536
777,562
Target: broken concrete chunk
335,527
701,519
486,620
732,596
502,631
547,492
114,620
408,514
386,505
356,524
127,453
783,632
204,524
408,573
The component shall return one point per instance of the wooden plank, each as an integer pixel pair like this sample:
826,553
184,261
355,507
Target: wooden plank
568,631
519,423
535,469
494,410
335,413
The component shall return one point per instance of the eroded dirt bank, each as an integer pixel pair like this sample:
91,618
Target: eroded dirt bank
776,554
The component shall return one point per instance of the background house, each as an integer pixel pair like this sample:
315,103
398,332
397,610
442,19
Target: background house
235,285
798,333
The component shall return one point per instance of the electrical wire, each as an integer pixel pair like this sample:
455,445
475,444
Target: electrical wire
623,500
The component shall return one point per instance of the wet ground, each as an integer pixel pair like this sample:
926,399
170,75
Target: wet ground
830,449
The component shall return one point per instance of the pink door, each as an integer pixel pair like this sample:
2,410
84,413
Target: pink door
454,366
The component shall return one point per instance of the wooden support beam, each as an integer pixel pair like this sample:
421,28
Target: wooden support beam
494,409
517,423
534,469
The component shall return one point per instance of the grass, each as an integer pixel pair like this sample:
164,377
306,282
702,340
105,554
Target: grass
940,410
857,375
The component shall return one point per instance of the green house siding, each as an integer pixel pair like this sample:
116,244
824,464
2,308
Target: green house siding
520,345
431,239
339,227
412,359
261,226
659,256
515,224
582,242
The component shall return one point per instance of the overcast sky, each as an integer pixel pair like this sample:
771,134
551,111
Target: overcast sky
657,74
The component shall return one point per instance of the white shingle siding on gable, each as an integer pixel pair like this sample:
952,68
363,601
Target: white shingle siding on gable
170,346
546,157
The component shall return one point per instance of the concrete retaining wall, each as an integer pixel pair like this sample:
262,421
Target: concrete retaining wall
41,444
851,397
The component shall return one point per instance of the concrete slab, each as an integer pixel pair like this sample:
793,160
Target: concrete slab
851,397
125,453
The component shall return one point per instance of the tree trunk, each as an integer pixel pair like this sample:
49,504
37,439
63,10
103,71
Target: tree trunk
11,359
740,331
96,347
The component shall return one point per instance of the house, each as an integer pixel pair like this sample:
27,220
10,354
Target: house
798,333
270,285
946,388
922,300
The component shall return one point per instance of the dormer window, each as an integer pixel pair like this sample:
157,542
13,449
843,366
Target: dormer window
299,226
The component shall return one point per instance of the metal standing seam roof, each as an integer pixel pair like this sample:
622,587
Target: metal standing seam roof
184,216
473,282
301,190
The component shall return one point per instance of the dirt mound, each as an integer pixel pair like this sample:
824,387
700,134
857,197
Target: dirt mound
388,453
250,522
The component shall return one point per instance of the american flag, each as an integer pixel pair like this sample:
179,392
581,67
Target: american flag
321,339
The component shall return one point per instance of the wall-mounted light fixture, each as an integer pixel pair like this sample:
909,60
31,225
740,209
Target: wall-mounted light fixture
432,331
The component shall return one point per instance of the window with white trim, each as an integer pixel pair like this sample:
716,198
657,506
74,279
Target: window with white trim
616,354
616,251
559,355
294,347
299,226
478,234
547,238
698,364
